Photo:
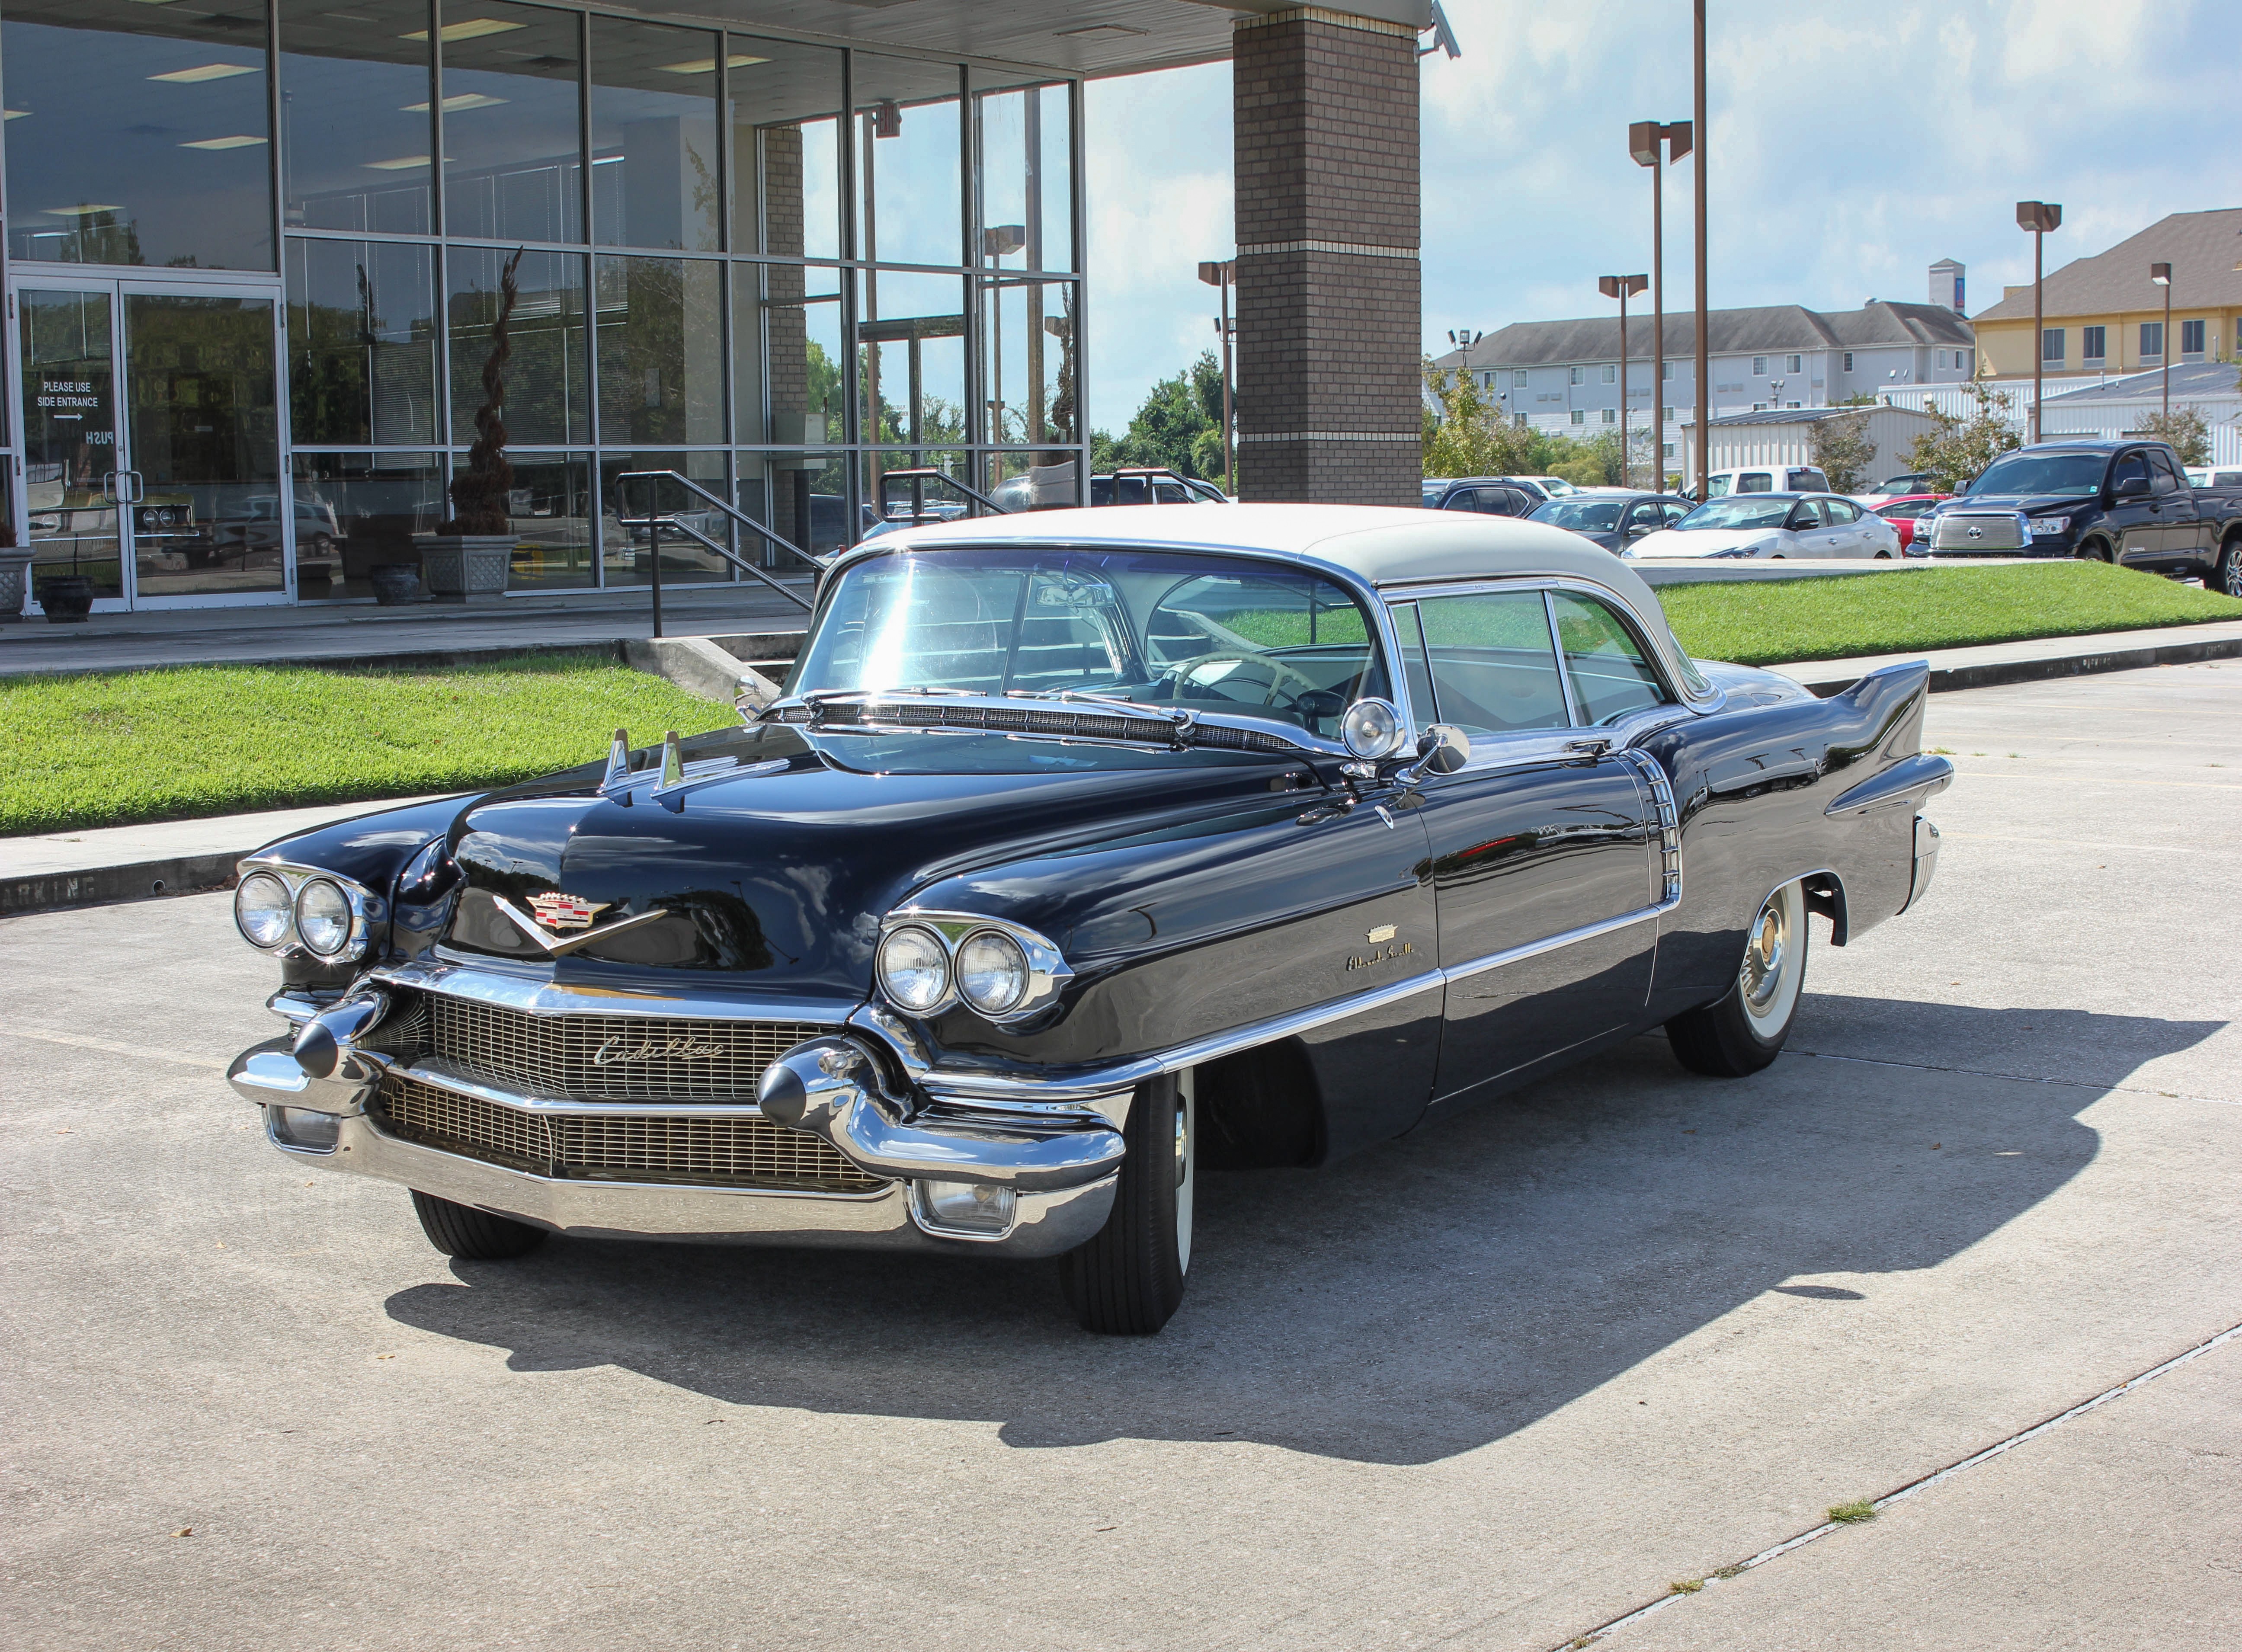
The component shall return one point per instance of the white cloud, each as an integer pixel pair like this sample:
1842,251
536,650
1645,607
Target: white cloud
1850,147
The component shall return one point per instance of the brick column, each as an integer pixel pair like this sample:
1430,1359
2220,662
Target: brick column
1329,297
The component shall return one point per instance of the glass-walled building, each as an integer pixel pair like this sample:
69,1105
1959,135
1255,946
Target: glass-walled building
275,266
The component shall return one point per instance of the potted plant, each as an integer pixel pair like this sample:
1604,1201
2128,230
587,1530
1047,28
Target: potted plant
468,559
15,575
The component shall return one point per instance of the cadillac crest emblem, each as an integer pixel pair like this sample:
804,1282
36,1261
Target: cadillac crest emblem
559,911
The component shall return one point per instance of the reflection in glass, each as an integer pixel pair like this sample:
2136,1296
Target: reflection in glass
513,152
790,315
785,103
1027,332
361,343
354,120
627,551
907,161
356,512
1023,146
138,133
69,437
911,336
900,500
661,349
547,393
550,514
802,497
653,136
1026,480
203,438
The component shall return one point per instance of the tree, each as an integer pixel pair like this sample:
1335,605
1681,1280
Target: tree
1173,427
2185,431
1961,448
1469,437
1842,449
1598,462
481,493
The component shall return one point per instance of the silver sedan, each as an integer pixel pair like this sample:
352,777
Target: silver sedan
1766,527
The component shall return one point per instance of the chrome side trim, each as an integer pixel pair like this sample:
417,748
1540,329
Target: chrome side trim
536,995
1653,775
1551,944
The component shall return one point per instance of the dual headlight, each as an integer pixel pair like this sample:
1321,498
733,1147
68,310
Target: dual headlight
271,907
927,960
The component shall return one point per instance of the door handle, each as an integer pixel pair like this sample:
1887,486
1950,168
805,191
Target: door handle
139,486
1593,747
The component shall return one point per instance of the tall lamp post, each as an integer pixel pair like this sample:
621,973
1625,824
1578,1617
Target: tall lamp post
1221,275
1704,391
2039,217
1622,288
1648,142
2161,274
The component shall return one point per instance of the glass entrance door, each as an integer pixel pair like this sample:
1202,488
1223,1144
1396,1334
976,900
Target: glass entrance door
153,469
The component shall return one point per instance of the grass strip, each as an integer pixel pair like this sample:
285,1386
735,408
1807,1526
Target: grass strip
1768,622
119,748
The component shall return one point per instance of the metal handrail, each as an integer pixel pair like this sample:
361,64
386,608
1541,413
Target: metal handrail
919,476
655,523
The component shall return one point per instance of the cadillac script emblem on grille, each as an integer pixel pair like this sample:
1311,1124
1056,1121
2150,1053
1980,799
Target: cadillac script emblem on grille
617,1049
559,911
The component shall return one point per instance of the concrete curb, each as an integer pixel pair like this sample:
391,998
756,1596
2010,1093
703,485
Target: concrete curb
419,659
1993,673
102,886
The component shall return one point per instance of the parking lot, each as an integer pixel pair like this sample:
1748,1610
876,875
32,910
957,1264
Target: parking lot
1492,1385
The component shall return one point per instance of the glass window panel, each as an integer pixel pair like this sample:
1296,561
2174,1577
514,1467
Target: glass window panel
786,147
910,341
548,396
549,513
356,512
904,499
355,130
138,133
1027,332
1611,674
1025,480
1023,146
1416,667
627,551
788,315
512,150
653,136
1495,669
69,437
661,349
908,199
802,497
361,343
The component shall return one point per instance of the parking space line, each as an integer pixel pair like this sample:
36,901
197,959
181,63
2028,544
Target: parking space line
115,1047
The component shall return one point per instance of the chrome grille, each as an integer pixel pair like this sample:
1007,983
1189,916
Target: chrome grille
1987,530
592,1057
704,1152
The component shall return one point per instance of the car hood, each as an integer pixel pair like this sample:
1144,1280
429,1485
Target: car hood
1704,542
775,867
2030,504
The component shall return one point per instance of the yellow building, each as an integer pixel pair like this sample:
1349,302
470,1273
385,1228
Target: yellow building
2103,314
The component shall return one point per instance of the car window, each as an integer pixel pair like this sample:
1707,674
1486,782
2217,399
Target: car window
1804,517
1809,478
1610,676
1673,512
1908,508
1416,667
1581,516
2165,479
1756,481
1841,510
1644,514
1493,667
2227,478
1736,513
2133,467
1170,494
1717,488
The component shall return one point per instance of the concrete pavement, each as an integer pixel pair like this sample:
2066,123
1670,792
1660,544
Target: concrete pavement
1488,1386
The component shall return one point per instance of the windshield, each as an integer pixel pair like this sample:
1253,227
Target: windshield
1581,516
1739,510
2079,473
1159,628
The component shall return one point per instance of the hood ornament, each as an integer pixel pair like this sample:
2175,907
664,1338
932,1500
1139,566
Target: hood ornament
559,911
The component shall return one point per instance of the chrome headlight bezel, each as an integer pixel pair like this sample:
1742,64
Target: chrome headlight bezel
1047,971
368,910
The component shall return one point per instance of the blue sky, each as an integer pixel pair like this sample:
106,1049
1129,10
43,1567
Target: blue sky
1851,145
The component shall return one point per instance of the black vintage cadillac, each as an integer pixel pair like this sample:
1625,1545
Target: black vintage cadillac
1082,850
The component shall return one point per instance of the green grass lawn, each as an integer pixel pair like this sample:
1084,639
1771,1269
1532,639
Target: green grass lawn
115,749
1768,622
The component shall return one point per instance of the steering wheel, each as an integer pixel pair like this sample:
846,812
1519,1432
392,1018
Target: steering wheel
1280,675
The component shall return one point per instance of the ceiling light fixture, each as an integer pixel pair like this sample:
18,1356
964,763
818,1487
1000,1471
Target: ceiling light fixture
707,66
239,140
204,71
472,29
457,102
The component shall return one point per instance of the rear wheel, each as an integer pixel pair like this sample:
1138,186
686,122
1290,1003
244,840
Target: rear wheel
473,1235
2095,551
1746,1030
1129,1279
2226,574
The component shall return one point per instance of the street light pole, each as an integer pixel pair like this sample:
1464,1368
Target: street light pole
2161,274
1221,275
2039,217
1622,288
1704,343
1648,142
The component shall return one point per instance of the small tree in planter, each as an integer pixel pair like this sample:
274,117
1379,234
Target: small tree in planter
471,553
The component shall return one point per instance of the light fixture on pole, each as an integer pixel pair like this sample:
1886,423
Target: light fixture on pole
1622,288
2161,274
1221,275
1649,143
2039,217
1703,391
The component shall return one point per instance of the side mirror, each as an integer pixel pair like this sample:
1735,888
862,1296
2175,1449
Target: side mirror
2133,488
1441,749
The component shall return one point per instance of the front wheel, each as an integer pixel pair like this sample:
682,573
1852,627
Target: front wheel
473,1235
2226,575
1129,1277
1745,1031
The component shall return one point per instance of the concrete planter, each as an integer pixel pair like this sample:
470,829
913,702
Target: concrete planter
396,583
67,598
467,568
15,573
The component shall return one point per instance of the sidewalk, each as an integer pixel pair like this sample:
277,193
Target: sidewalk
132,862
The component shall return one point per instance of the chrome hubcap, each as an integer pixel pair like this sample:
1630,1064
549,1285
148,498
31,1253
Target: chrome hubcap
1765,954
2234,572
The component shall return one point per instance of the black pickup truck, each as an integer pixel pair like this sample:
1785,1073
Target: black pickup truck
2127,502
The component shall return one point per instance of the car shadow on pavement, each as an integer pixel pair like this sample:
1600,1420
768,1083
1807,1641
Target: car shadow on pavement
1421,1300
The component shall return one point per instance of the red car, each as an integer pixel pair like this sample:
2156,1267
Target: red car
1902,513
